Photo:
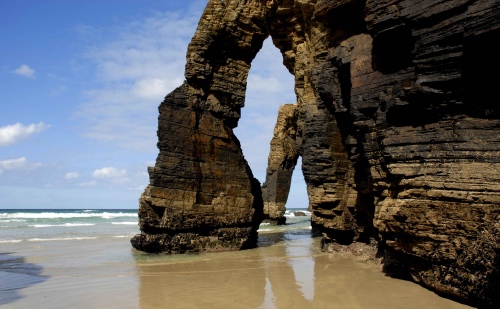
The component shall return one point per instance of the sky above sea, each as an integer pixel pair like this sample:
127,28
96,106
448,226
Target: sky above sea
80,85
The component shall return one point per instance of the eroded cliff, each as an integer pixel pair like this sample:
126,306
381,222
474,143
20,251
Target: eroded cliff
202,195
283,157
396,122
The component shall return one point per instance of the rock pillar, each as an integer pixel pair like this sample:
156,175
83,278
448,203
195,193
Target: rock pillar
202,195
283,157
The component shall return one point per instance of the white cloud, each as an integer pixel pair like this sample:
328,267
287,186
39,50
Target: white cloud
269,86
153,88
112,175
57,91
25,70
88,184
72,175
135,71
17,164
11,164
108,172
16,132
146,61
54,76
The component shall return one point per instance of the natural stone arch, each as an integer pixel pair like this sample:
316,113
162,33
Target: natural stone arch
390,152
202,195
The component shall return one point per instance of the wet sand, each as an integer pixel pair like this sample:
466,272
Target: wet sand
286,271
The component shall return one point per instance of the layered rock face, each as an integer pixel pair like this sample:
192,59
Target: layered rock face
396,122
202,195
399,132
282,160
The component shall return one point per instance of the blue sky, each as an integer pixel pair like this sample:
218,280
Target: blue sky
80,85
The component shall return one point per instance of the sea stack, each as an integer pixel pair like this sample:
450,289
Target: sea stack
202,195
282,159
397,124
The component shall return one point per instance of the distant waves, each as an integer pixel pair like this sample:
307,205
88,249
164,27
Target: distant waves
67,214
32,225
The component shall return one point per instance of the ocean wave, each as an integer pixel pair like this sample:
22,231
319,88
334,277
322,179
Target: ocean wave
264,230
59,225
123,236
60,238
12,220
274,230
125,223
291,213
63,215
10,241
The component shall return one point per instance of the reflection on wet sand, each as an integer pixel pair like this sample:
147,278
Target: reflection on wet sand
16,274
289,271
289,268
221,280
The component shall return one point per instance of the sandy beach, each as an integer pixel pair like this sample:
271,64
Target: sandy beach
287,270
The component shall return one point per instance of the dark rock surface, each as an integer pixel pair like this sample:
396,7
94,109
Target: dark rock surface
202,195
282,160
397,123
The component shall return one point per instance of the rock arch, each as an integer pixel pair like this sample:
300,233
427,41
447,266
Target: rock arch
401,154
202,195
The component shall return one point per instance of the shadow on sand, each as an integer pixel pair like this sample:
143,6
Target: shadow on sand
16,274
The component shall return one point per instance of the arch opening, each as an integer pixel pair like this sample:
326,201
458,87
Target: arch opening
267,133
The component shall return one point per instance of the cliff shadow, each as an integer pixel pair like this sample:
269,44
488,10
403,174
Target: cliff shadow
15,275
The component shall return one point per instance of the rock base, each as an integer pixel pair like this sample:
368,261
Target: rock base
224,239
275,221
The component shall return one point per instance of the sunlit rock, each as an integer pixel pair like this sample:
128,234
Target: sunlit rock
396,122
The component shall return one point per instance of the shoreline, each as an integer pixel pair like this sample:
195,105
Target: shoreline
288,269
291,273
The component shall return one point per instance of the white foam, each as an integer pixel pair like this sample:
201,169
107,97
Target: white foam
54,239
13,220
264,230
123,236
59,225
271,230
291,213
62,215
125,223
10,241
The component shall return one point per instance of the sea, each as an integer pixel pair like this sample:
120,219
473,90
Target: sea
67,258
48,225
43,225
